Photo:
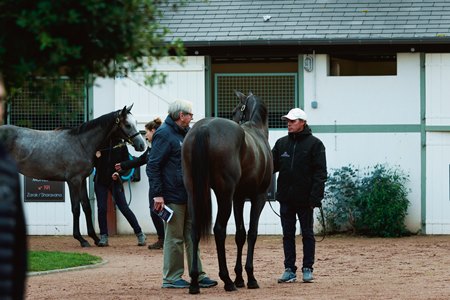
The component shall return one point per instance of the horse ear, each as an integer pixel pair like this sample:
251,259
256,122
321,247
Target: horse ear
124,111
250,93
129,108
241,96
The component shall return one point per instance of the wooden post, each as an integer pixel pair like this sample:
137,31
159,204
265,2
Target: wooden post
111,216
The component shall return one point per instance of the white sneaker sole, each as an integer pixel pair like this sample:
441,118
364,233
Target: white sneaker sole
287,281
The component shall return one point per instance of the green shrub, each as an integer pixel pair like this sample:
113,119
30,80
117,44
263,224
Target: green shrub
340,196
375,204
383,203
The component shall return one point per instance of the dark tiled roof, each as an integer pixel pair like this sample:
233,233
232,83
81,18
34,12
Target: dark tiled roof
218,22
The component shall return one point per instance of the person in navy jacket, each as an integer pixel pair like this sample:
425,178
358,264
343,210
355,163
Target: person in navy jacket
167,189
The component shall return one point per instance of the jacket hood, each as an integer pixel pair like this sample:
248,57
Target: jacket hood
306,131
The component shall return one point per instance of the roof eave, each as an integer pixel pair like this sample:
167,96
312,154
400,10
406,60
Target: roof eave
321,42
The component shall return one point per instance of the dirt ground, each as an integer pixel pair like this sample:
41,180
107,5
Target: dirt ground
416,267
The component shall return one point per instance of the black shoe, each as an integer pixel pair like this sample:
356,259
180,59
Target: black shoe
159,244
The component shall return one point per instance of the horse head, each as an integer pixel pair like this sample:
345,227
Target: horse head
251,108
126,124
241,113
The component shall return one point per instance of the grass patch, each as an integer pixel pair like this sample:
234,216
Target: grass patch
39,261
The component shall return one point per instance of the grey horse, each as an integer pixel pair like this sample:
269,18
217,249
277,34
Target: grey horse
68,155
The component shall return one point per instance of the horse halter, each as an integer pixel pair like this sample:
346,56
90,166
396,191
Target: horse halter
128,138
243,108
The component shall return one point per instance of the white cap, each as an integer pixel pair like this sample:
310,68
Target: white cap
294,114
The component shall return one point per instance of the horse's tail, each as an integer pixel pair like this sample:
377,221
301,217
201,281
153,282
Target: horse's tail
201,200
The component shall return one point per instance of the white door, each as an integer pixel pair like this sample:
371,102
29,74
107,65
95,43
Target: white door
437,144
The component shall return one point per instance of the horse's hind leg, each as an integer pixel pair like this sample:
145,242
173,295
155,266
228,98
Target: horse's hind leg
75,193
241,236
255,213
88,213
194,287
220,230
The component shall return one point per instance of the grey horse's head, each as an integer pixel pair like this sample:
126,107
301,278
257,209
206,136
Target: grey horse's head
127,125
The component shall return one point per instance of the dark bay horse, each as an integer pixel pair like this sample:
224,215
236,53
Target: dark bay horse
235,161
68,155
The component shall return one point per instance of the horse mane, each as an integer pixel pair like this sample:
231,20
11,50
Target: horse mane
101,121
259,113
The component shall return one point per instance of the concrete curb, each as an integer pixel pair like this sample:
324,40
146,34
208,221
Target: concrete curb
103,262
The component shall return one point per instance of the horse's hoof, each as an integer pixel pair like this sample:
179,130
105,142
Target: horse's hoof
194,290
85,244
253,285
231,287
239,283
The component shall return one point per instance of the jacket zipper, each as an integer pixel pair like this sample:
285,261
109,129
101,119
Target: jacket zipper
293,156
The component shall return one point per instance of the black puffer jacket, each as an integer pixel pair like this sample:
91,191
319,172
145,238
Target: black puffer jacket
13,240
300,159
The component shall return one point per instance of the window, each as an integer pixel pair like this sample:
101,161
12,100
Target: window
362,65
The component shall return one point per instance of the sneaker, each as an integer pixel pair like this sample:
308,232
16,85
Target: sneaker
141,239
179,284
207,283
288,276
159,244
103,241
307,275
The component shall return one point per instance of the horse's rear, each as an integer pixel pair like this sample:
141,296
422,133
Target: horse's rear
236,162
211,152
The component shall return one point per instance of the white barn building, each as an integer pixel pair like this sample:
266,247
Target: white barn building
373,77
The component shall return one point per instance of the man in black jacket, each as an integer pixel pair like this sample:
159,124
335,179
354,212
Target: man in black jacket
300,160
13,241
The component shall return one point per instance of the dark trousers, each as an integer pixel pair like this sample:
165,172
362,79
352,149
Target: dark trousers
289,214
101,192
157,221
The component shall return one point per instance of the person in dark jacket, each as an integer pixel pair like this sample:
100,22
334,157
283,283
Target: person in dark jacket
150,129
108,180
300,160
167,189
13,239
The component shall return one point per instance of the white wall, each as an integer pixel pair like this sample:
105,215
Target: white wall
371,100
362,100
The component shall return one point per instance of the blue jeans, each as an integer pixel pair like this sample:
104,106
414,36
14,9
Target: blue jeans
289,213
101,192
157,221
